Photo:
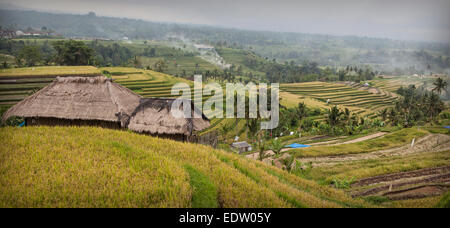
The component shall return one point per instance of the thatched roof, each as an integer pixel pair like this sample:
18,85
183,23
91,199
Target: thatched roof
98,98
154,116
79,98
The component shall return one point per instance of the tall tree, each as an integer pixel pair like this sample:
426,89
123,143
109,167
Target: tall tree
31,54
73,53
301,111
334,116
440,85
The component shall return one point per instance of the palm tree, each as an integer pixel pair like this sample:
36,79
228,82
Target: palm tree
384,114
347,115
301,111
261,143
334,116
252,128
435,104
440,85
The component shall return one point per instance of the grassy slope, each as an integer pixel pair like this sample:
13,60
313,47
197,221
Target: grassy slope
94,167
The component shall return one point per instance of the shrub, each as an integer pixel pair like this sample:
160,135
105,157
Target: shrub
288,163
344,183
276,146
14,121
302,169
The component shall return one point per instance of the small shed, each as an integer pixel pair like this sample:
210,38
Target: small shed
242,146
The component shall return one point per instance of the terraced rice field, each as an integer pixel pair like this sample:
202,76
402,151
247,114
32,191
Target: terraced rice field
388,85
392,83
359,101
152,84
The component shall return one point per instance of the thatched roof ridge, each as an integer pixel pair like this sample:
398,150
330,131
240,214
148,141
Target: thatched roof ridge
153,115
79,98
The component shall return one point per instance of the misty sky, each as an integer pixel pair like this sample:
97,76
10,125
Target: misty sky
425,20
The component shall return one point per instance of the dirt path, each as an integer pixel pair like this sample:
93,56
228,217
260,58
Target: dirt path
429,143
324,143
364,138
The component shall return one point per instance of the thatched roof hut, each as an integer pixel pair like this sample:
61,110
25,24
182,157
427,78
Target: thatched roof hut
99,101
79,98
153,116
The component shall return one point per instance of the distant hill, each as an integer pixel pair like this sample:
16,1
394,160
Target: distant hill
326,50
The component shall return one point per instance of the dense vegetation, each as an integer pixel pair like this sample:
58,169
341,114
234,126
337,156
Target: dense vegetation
245,65
417,106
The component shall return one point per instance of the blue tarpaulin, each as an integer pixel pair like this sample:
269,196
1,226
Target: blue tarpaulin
448,127
22,124
296,145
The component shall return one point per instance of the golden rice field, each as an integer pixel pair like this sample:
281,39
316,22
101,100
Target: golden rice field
49,70
291,100
95,167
